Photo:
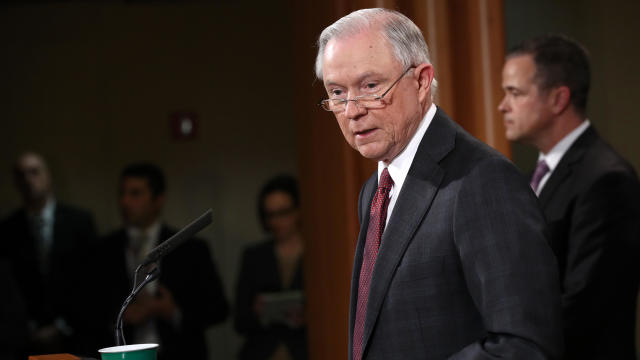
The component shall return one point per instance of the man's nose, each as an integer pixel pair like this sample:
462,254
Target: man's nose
502,107
353,110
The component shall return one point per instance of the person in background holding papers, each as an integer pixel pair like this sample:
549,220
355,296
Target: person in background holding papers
271,267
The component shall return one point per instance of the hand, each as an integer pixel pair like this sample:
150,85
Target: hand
46,335
47,339
281,352
139,310
164,305
295,317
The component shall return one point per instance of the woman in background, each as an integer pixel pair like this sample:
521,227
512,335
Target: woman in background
269,301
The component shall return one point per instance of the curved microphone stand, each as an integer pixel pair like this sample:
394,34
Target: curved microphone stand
151,275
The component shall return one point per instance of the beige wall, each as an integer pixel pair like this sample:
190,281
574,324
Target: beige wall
609,30
91,86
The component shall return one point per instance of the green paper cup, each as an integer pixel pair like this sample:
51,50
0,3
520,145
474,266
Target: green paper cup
130,352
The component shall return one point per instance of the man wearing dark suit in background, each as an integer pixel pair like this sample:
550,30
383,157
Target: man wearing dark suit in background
46,244
589,194
175,310
452,261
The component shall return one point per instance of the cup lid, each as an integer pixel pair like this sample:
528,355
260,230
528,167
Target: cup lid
133,347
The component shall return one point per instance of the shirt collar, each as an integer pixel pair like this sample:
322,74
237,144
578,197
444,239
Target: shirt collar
553,157
47,212
399,167
152,232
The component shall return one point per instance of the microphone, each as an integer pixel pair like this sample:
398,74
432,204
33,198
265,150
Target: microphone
176,240
155,255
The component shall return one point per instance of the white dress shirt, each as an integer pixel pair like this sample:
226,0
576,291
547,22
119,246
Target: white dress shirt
399,166
42,225
141,241
140,244
553,157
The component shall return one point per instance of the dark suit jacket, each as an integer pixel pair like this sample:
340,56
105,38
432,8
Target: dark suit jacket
58,293
13,316
188,273
464,270
592,205
259,273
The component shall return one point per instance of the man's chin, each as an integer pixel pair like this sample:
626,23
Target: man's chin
371,154
511,136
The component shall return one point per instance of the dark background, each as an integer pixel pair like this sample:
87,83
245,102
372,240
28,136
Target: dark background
92,87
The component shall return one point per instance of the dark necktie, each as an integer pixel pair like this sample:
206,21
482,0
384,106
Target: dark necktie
37,229
377,221
541,170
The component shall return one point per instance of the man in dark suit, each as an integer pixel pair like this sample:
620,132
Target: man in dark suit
589,194
452,261
176,310
46,243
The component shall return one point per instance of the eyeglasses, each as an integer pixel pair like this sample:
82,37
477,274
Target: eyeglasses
371,101
279,213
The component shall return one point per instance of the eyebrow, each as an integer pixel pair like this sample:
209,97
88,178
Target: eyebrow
359,79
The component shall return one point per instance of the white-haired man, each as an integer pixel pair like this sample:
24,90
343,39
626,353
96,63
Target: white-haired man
452,260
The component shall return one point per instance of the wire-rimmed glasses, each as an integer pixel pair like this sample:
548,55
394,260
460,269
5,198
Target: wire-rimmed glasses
369,101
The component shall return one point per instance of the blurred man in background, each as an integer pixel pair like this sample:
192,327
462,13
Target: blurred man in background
46,244
590,195
175,310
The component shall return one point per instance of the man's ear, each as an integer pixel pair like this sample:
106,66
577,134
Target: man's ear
424,74
560,99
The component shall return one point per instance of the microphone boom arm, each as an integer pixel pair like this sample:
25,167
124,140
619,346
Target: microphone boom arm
153,257
152,275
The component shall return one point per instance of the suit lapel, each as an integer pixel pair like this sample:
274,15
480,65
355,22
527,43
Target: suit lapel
26,249
566,164
60,240
165,234
414,201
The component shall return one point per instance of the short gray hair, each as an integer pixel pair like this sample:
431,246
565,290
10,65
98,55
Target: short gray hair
405,37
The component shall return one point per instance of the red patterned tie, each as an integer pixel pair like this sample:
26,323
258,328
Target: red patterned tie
377,221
